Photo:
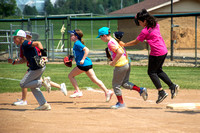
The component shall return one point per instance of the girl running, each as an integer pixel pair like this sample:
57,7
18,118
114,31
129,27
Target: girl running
84,65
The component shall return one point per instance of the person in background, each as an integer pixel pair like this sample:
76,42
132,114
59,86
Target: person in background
84,65
122,68
32,78
46,82
151,33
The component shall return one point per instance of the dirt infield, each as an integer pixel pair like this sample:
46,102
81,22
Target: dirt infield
92,114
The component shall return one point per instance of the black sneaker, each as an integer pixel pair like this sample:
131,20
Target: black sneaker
174,91
161,96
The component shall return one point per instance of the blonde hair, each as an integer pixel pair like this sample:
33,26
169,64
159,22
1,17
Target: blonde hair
80,33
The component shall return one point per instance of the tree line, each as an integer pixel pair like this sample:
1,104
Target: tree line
9,7
86,6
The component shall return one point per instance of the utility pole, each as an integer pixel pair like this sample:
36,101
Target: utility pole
172,41
121,4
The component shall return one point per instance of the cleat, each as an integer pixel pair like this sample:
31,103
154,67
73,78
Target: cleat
109,96
161,96
46,83
45,106
174,91
76,94
63,89
118,105
20,102
143,93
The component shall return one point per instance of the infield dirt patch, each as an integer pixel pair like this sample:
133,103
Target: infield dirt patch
91,113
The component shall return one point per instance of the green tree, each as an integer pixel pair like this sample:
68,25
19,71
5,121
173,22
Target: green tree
48,7
7,7
18,12
60,6
28,10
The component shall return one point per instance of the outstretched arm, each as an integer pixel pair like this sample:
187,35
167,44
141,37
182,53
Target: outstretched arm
17,61
131,43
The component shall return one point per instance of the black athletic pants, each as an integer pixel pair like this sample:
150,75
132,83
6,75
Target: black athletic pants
155,71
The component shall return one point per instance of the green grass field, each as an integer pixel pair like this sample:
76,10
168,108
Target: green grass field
186,77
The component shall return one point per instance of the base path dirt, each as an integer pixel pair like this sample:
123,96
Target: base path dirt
91,114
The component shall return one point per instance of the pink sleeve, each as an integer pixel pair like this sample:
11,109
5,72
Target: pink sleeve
142,36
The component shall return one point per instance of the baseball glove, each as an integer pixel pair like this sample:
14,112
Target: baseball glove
41,61
108,54
68,60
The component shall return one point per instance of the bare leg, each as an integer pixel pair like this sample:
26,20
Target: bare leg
24,94
76,71
90,73
53,84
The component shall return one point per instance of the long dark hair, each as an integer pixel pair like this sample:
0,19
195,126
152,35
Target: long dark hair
144,15
80,34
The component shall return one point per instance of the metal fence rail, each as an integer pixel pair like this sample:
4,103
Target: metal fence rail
48,31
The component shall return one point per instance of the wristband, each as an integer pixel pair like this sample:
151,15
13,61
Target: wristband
13,63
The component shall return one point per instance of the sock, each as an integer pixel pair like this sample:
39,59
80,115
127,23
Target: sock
120,99
136,88
161,92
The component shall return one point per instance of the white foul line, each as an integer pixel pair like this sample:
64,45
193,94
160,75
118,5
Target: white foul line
10,79
93,90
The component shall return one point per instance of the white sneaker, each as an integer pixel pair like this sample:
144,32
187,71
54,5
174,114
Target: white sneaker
109,95
45,106
76,94
46,83
63,88
20,103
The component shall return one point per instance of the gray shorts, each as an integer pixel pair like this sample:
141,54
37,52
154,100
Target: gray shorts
32,80
121,78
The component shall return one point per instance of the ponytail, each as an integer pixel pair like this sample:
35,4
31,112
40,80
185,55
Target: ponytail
82,41
80,35
144,15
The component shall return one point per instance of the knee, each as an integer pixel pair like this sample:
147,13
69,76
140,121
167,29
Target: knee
150,73
128,85
70,76
22,84
117,92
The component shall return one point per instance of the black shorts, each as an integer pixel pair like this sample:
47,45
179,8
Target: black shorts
85,68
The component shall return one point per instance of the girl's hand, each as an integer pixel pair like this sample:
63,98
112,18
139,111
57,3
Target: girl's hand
112,63
82,61
122,44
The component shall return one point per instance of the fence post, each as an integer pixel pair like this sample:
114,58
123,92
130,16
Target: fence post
92,31
172,41
63,37
195,41
29,25
22,23
52,42
68,36
46,29
10,48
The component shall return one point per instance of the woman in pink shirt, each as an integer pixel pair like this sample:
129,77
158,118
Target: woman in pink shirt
151,33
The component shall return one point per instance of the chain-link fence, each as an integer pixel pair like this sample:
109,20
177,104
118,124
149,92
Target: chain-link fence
183,46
